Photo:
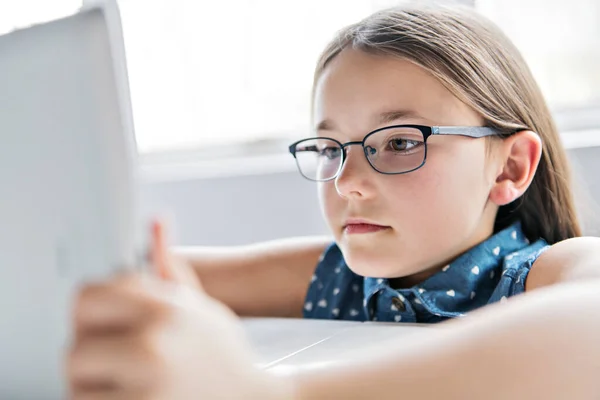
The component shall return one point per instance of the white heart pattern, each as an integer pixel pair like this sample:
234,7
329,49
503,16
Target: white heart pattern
496,251
353,313
335,312
451,293
308,306
514,235
322,303
336,291
398,318
475,270
446,268
472,295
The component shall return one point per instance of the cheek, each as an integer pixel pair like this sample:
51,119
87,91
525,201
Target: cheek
329,201
454,185
408,203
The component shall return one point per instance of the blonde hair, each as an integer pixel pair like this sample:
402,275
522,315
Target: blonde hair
473,59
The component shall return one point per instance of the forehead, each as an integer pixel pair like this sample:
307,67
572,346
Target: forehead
356,88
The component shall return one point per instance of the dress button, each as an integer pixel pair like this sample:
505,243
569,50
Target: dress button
398,303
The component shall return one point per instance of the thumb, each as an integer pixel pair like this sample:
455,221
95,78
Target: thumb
167,266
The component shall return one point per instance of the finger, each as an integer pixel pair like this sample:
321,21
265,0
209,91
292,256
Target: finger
167,266
122,304
101,394
105,395
112,364
159,253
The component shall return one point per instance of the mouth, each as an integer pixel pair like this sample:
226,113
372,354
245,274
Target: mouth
354,227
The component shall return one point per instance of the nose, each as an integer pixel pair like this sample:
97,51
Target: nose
355,179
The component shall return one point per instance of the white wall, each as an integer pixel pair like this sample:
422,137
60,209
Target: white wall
236,210
245,209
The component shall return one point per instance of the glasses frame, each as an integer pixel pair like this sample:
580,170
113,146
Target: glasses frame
427,131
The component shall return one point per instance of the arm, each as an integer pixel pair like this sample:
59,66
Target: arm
570,260
266,279
541,346
140,336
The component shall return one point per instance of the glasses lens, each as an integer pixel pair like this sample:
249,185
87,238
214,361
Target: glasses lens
318,159
395,150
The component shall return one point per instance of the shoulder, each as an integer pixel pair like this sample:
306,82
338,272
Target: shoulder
335,292
331,255
515,267
332,265
571,259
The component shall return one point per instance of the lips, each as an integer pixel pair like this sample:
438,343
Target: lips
360,226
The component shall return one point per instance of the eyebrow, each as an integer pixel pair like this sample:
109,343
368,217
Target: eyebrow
383,118
390,116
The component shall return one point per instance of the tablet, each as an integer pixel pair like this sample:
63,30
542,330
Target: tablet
67,200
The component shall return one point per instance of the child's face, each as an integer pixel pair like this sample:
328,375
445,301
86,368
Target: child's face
430,215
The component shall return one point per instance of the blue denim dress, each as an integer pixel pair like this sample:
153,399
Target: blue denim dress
490,272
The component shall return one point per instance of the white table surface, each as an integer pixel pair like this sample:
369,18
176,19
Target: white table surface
288,345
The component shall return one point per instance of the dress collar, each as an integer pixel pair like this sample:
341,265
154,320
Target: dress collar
478,268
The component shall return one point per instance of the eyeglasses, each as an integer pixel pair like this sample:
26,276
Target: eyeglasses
392,150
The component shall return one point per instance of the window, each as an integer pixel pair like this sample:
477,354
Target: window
561,43
210,78
212,74
19,14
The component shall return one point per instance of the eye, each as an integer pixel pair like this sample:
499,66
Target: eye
331,152
403,144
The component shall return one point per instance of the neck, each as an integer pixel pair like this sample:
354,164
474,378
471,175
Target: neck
405,282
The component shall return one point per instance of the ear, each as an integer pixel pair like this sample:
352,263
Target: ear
518,157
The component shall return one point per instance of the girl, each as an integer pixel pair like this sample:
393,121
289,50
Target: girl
445,187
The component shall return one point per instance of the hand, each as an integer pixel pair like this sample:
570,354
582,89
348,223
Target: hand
139,337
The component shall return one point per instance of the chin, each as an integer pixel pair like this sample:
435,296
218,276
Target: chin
374,255
373,267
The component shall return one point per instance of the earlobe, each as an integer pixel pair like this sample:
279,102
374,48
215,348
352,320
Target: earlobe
504,193
520,155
